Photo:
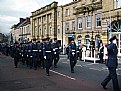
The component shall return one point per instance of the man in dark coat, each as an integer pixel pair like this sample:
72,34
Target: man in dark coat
55,52
48,50
72,55
16,52
112,64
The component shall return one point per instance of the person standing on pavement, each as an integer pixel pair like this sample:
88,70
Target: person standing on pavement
72,54
48,52
112,63
101,51
55,52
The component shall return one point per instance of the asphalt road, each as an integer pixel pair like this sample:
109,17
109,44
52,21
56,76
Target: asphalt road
87,77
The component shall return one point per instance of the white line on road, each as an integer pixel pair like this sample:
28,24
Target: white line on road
65,62
95,69
90,64
63,75
79,65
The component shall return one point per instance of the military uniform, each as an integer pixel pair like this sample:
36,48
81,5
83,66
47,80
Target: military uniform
34,54
72,55
112,65
56,52
39,53
48,55
16,52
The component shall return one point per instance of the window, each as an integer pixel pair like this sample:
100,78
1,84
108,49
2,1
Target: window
117,4
79,22
51,29
50,16
40,19
58,29
98,20
67,12
40,31
67,26
88,21
73,25
58,13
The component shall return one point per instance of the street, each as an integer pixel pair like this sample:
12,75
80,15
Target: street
87,77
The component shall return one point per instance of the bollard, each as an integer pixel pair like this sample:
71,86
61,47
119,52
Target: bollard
94,57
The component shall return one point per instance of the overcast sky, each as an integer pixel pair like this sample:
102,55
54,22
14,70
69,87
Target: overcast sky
12,10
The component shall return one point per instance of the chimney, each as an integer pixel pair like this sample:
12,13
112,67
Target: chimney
22,20
27,19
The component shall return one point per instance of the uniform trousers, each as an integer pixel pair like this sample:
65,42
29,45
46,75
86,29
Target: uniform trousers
112,76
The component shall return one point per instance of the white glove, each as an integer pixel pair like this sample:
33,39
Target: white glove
44,57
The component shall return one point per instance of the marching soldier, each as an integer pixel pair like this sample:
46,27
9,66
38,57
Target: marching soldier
39,53
34,54
112,64
43,50
16,52
55,52
48,55
30,57
72,55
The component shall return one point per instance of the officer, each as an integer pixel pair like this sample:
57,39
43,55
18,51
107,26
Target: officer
30,57
43,50
48,55
72,55
112,64
16,52
39,53
55,52
34,54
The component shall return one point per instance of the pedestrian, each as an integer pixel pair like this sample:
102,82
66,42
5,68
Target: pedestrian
92,47
56,52
112,63
72,54
48,53
99,41
101,51
83,52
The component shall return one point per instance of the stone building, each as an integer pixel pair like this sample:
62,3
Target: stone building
44,22
21,32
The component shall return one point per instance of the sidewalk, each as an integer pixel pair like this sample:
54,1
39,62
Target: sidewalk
65,57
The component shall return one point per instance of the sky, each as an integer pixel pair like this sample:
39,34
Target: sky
12,10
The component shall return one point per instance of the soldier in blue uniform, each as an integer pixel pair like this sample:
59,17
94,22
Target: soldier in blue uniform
39,53
30,57
72,55
55,52
112,64
16,52
34,54
48,55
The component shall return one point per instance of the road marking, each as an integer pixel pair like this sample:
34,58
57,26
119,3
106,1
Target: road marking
63,75
95,69
65,62
79,65
90,64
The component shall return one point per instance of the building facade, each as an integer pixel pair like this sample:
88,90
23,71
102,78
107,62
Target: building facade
44,22
80,19
21,32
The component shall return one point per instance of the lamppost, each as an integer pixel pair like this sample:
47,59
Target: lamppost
62,29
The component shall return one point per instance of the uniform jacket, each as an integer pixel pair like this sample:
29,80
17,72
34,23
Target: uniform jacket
112,55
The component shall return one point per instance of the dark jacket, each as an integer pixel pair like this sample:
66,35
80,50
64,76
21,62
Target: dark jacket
112,55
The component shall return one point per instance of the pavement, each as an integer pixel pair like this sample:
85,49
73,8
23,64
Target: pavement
87,76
